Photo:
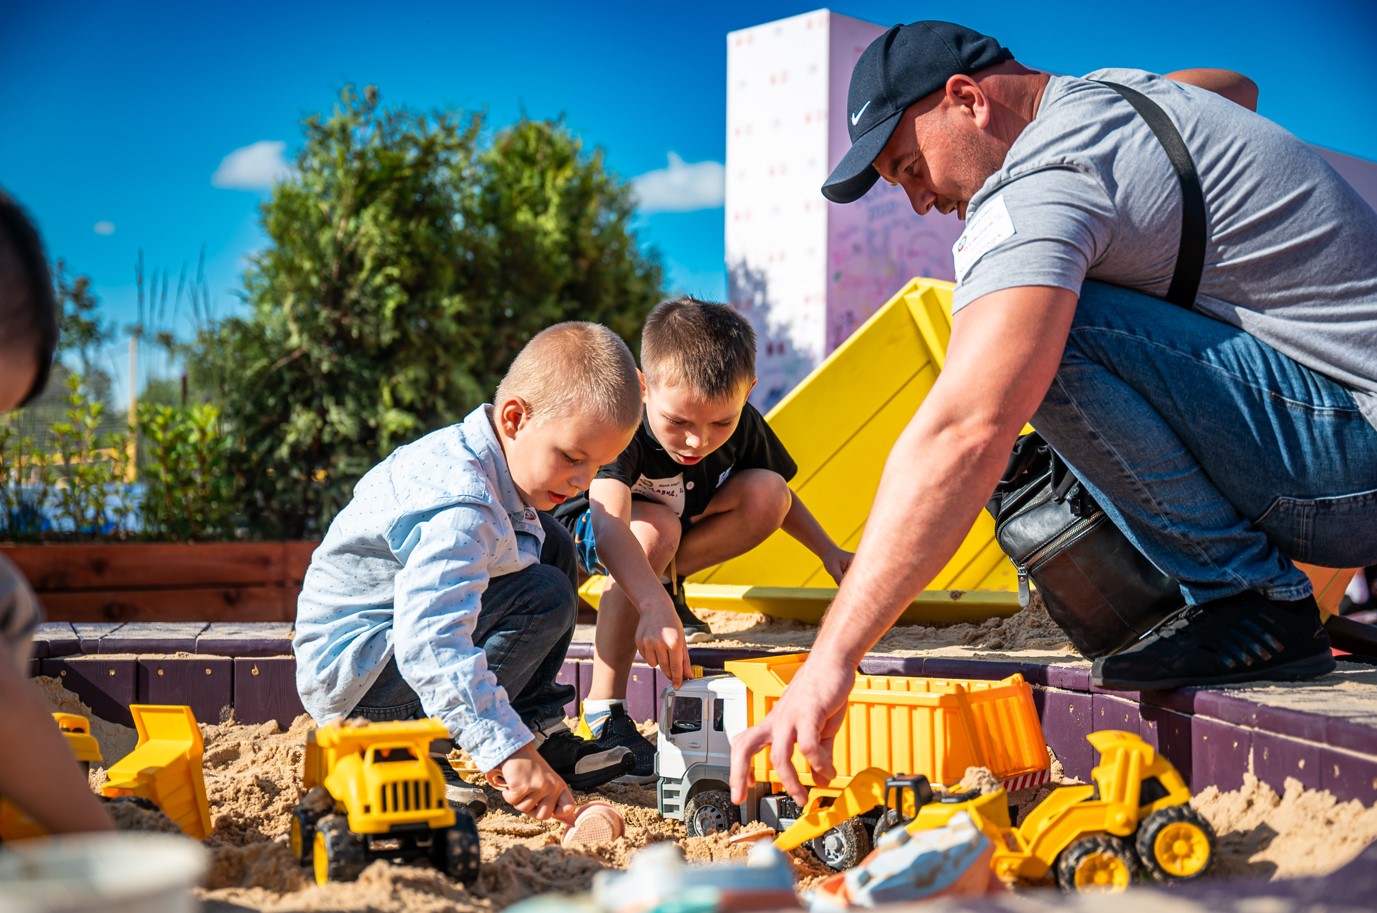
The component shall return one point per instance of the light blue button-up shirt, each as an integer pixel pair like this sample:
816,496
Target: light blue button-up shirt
402,570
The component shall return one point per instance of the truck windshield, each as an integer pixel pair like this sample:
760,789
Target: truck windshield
686,715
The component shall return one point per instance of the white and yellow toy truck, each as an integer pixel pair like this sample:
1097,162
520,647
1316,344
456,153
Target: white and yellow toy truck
934,727
373,792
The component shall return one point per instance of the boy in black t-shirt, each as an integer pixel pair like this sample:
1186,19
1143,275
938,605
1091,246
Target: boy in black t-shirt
703,480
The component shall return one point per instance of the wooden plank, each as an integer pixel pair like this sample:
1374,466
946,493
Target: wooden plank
265,689
207,604
62,567
205,684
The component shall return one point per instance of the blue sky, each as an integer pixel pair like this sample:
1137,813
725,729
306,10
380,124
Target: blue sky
118,116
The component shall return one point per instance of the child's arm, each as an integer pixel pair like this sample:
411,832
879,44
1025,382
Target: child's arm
800,523
37,770
659,635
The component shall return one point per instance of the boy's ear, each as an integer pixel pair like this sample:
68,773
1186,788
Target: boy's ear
754,381
640,375
512,415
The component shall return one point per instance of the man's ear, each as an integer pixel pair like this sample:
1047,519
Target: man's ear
965,92
512,415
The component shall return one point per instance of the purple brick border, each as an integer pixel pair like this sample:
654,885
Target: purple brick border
1212,736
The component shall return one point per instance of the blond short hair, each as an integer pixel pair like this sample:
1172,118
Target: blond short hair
575,370
707,347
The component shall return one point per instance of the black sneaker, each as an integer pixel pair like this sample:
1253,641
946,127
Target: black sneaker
696,631
583,765
459,793
619,731
1242,638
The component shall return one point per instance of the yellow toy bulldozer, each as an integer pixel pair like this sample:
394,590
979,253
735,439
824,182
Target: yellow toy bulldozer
373,792
1095,836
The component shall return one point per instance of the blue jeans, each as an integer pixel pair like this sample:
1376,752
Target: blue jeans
1219,457
524,628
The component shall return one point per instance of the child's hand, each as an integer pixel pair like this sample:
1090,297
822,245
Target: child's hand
530,786
660,640
837,562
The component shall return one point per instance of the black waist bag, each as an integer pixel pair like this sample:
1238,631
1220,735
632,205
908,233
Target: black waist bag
1097,586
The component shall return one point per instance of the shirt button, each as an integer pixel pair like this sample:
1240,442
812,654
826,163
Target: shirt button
688,486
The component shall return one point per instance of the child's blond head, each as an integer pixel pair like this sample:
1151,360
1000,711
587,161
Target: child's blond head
706,347
575,369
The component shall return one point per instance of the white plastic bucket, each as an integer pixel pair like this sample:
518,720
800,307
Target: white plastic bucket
101,873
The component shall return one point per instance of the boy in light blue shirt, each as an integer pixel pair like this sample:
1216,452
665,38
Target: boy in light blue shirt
441,590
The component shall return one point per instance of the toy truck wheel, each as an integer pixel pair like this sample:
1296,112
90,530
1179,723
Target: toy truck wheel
710,812
456,849
337,854
301,834
1176,844
1101,862
843,846
888,819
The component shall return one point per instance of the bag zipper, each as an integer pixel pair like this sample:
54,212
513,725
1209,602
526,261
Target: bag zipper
1081,526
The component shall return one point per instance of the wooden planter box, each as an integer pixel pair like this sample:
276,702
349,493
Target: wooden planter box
201,581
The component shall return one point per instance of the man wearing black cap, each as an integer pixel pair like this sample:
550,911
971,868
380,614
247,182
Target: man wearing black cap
1225,438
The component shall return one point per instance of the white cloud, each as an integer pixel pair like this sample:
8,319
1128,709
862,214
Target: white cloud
681,187
104,228
255,167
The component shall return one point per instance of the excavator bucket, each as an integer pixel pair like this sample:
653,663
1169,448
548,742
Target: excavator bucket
865,791
165,767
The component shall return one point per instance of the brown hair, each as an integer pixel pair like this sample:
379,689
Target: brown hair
575,369
707,347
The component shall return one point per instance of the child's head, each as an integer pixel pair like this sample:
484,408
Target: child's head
28,310
699,364
569,404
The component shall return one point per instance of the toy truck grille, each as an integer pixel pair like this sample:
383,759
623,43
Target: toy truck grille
407,796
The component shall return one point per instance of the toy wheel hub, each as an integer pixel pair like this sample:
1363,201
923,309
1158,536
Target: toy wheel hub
1182,849
1103,871
709,820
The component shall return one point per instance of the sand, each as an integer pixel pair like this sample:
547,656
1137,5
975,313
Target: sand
252,777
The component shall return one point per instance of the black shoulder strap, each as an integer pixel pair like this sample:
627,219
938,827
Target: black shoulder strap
1190,259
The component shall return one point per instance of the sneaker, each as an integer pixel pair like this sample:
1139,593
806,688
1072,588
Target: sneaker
619,731
1241,638
583,765
461,794
696,630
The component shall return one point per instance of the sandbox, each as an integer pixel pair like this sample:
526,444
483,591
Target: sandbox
1287,775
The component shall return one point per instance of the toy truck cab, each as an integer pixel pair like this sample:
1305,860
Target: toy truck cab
693,752
373,792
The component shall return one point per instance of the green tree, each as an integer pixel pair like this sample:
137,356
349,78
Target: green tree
407,263
82,332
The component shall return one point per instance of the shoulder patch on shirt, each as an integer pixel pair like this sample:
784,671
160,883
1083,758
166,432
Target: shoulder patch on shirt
990,226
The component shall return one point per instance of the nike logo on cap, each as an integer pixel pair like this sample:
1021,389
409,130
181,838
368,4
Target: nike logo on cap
856,118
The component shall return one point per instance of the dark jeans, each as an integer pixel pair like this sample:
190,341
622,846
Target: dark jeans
524,627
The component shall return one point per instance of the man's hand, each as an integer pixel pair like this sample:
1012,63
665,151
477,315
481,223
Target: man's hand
530,786
837,562
808,714
660,640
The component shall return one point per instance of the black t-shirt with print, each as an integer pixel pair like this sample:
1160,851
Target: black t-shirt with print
653,475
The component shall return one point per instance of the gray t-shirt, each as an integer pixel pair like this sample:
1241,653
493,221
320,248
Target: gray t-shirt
1087,191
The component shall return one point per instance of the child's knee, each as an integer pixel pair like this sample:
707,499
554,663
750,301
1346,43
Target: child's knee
766,496
553,597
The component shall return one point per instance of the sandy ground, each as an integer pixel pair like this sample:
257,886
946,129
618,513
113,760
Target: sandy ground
253,774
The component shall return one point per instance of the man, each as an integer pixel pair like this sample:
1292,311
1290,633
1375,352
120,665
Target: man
1225,440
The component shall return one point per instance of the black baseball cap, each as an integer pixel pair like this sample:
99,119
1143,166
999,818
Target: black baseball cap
906,63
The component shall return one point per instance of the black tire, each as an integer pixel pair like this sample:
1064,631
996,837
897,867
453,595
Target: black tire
710,812
1101,862
457,851
301,834
337,853
889,818
843,846
1176,844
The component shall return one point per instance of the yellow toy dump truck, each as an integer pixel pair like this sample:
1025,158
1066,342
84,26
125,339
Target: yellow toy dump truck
76,729
1091,837
373,792
165,767
934,727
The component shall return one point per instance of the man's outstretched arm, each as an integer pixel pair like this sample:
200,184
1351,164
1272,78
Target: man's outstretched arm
1005,350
